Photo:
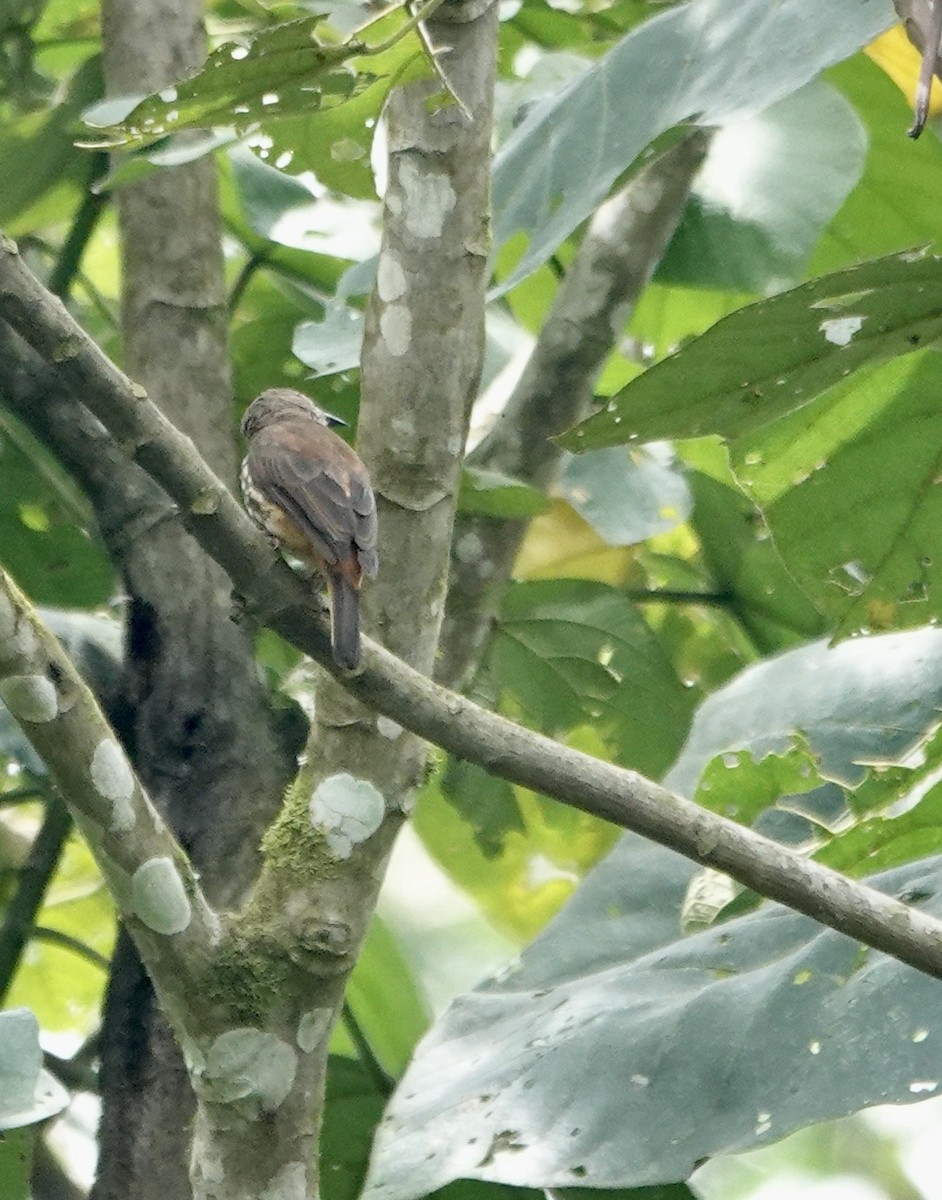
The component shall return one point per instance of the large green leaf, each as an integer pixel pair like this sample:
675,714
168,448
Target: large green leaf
770,185
39,161
729,1038
576,652
385,1000
275,82
283,69
860,527
706,60
771,358
895,204
868,700
694,1046
760,591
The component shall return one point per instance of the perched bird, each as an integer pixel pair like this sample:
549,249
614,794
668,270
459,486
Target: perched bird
311,494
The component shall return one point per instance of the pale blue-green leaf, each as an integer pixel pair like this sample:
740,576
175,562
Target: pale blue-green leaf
620,1054
706,60
770,185
27,1093
626,495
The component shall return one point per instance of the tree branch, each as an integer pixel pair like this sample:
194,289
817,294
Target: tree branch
148,874
409,699
33,879
622,246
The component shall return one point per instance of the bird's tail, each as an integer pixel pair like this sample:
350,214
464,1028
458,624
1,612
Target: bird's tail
344,622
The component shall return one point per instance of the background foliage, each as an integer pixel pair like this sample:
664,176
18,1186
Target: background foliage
674,607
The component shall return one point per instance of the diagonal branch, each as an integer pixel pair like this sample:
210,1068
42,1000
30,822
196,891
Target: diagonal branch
622,245
407,697
156,890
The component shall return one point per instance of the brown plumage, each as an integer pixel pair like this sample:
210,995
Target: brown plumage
311,494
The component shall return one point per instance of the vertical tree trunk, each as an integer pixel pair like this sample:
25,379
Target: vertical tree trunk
194,717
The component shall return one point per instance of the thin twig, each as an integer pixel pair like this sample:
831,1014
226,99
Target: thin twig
370,1063
34,877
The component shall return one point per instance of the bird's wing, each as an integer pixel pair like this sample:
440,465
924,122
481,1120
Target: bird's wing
309,493
364,507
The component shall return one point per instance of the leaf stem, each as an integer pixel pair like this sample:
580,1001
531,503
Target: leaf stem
422,14
83,226
374,1068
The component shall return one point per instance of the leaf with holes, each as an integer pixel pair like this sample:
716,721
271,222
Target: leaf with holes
283,70
729,1039
771,358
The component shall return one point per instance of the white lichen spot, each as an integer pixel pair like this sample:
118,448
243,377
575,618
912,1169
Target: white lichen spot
840,330
763,1122
388,728
920,1035
814,1047
158,897
7,624
30,698
25,642
249,1068
112,777
395,325
429,198
391,282
469,548
919,1087
347,810
290,1183
312,1028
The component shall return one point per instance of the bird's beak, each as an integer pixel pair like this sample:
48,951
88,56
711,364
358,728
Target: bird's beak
332,419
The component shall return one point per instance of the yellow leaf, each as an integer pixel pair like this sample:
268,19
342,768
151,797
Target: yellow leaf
895,54
560,545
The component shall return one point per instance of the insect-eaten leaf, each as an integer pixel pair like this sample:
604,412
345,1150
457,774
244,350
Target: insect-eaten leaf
283,71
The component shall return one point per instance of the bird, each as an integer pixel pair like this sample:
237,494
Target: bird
311,495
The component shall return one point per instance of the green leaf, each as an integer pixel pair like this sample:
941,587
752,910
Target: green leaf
16,1155
774,357
627,496
576,652
728,1039
564,158
746,566
871,700
738,785
42,535
39,160
64,988
491,494
332,344
282,70
770,185
860,530
353,1109
27,1093
894,204
268,196
385,1000
486,802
